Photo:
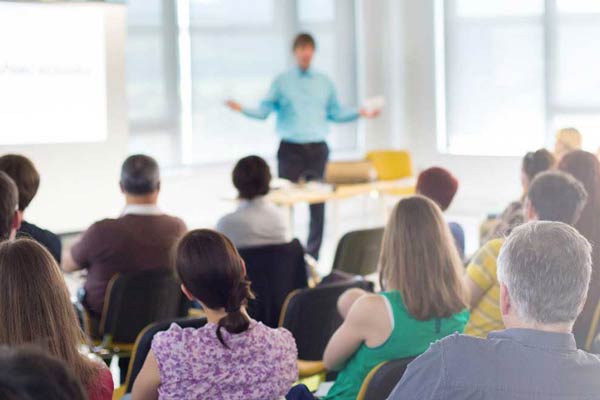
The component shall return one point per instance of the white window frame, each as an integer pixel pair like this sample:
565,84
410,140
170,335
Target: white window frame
178,80
552,108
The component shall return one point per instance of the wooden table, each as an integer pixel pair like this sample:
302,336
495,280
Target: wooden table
313,193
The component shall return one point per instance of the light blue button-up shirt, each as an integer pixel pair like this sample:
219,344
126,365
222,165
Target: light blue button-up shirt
304,102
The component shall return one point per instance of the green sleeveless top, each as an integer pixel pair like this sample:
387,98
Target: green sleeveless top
409,338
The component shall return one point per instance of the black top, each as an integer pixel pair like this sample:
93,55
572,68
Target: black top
50,240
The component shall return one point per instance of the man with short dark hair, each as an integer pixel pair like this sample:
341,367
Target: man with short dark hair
305,101
552,196
27,178
9,213
140,239
544,270
257,221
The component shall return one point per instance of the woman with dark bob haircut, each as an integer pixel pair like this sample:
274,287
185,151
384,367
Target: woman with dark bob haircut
256,221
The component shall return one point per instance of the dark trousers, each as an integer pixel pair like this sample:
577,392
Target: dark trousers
306,162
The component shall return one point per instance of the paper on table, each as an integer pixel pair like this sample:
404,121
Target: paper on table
374,103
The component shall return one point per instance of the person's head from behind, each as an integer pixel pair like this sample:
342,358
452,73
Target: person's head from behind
140,179
251,177
555,196
9,213
36,308
304,47
585,167
25,175
544,270
567,140
213,272
535,163
420,260
439,185
29,374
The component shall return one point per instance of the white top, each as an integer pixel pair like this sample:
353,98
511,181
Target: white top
141,209
256,222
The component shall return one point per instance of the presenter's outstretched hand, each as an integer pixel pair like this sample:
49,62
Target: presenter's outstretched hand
367,113
234,105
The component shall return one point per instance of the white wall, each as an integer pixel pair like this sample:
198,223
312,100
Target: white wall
76,178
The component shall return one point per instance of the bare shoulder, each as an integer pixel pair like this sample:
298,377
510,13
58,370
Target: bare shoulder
369,307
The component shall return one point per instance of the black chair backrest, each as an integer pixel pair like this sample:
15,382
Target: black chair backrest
358,251
138,299
385,379
274,271
143,343
312,317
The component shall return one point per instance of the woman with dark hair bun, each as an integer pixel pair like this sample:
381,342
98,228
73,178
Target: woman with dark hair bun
232,356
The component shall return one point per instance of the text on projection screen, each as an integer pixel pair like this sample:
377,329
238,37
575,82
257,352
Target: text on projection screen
52,74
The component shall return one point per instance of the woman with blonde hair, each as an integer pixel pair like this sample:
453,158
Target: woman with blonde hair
567,141
423,298
36,310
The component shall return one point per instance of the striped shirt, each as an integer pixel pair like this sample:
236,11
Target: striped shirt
486,316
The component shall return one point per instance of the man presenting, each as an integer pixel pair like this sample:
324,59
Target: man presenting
304,101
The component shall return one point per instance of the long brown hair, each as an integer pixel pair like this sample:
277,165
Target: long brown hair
211,269
419,259
36,308
585,167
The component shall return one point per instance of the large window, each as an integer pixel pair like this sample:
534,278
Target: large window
511,72
186,57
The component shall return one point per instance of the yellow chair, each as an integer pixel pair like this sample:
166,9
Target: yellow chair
382,379
391,164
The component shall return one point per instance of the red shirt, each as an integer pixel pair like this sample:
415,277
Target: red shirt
102,388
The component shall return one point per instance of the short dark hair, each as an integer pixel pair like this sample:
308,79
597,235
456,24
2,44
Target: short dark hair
30,374
140,175
439,185
23,172
304,39
9,200
251,177
557,196
536,162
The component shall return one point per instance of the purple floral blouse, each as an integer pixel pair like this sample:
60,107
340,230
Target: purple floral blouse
261,363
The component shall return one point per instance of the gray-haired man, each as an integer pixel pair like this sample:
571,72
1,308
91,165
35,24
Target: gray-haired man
544,271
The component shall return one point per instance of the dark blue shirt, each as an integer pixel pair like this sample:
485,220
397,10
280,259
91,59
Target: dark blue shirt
46,238
515,364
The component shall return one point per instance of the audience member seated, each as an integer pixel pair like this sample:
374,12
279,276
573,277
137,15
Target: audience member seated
140,239
553,196
9,214
514,215
586,168
567,140
27,178
544,270
257,221
232,357
36,309
440,186
30,374
423,299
